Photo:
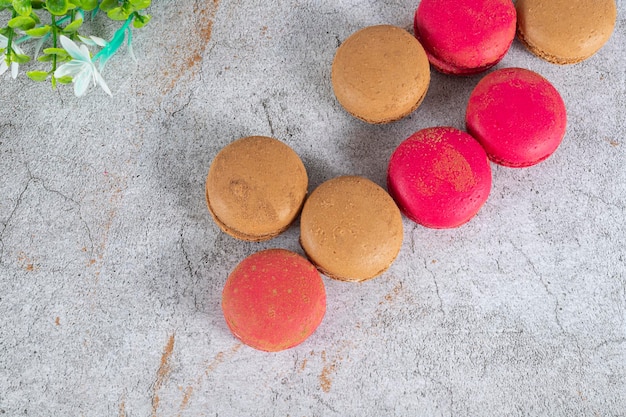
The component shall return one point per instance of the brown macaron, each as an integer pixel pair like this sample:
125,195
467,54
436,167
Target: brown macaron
351,229
255,188
380,74
565,31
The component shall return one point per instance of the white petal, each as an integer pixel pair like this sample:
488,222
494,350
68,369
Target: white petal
3,65
15,67
17,49
99,41
85,51
81,82
4,41
131,52
86,41
70,68
102,83
39,45
72,49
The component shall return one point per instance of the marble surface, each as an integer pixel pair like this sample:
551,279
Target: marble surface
111,268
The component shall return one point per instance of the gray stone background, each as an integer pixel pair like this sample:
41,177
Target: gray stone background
111,268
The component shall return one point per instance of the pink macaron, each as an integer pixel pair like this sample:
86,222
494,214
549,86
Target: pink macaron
517,115
274,300
464,37
439,177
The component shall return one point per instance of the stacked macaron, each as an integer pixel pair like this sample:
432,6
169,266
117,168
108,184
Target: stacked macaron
351,228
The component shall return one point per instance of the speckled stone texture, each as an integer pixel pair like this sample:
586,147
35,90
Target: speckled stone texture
111,268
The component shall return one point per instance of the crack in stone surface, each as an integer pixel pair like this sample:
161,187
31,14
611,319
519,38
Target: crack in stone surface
267,115
434,278
20,197
557,303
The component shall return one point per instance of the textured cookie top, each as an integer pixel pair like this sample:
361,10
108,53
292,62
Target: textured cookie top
274,300
517,115
465,36
565,31
380,74
255,187
351,229
440,177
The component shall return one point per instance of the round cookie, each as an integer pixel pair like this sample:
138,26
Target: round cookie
517,115
464,37
274,300
380,74
255,188
565,31
351,229
439,177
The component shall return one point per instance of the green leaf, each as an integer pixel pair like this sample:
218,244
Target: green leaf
55,51
21,22
58,7
118,13
19,58
67,79
38,4
5,3
45,58
107,5
35,18
39,32
140,4
88,5
73,27
141,20
22,7
37,75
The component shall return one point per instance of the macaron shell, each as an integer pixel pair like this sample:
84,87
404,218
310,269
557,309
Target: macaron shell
380,74
518,117
440,177
255,188
464,37
274,300
565,31
351,229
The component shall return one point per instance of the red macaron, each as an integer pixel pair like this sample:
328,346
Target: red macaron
274,300
439,177
517,115
464,37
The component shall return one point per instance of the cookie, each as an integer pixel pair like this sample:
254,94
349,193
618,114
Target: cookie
380,74
517,115
274,300
440,177
565,31
255,188
351,229
464,37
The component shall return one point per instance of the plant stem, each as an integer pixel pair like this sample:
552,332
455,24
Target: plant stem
54,45
9,50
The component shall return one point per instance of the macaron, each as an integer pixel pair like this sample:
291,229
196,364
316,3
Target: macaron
464,37
565,31
440,177
351,229
517,115
274,300
380,74
255,188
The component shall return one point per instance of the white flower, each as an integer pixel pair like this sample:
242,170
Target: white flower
15,67
93,41
80,68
